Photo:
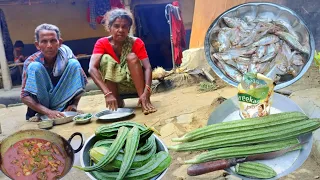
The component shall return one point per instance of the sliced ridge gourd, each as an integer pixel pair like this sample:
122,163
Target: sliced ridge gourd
128,124
307,128
103,142
155,166
101,175
257,125
255,170
246,124
129,151
243,151
105,132
240,139
198,133
144,136
110,130
139,160
112,153
163,161
259,135
150,143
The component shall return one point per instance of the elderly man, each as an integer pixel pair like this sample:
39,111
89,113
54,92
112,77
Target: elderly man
53,80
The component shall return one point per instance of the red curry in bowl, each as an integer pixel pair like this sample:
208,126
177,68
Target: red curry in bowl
34,159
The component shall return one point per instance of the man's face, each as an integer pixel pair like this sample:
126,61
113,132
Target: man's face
18,49
48,44
120,29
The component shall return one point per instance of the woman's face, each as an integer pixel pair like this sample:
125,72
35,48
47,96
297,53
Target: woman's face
120,29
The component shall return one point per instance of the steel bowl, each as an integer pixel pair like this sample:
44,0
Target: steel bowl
85,157
82,120
48,124
261,10
68,118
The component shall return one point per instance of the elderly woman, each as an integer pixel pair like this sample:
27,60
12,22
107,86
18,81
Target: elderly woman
120,63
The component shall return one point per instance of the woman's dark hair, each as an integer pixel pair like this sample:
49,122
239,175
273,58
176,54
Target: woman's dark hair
112,15
18,44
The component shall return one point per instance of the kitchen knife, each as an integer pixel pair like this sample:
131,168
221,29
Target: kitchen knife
206,167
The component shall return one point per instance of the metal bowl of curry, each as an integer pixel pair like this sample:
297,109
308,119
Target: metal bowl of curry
266,38
37,154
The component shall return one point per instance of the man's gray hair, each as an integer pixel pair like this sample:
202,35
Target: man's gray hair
48,27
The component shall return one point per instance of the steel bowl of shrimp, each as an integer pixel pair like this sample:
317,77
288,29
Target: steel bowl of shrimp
263,38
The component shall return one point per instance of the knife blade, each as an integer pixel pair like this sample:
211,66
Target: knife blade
206,167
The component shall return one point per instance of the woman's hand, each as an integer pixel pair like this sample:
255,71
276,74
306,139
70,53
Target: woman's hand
145,102
111,102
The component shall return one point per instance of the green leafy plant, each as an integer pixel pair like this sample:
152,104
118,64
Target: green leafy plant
207,86
317,59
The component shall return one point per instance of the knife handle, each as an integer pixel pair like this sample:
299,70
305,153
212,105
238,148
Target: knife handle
203,168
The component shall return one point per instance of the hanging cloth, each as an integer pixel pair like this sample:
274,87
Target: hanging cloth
96,10
91,14
116,4
7,43
178,32
101,7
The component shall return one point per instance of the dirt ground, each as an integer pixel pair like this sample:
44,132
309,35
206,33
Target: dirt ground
179,111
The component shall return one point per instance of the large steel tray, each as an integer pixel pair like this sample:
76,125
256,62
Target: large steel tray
284,165
109,115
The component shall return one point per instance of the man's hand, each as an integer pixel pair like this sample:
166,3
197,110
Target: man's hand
54,114
111,102
21,58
